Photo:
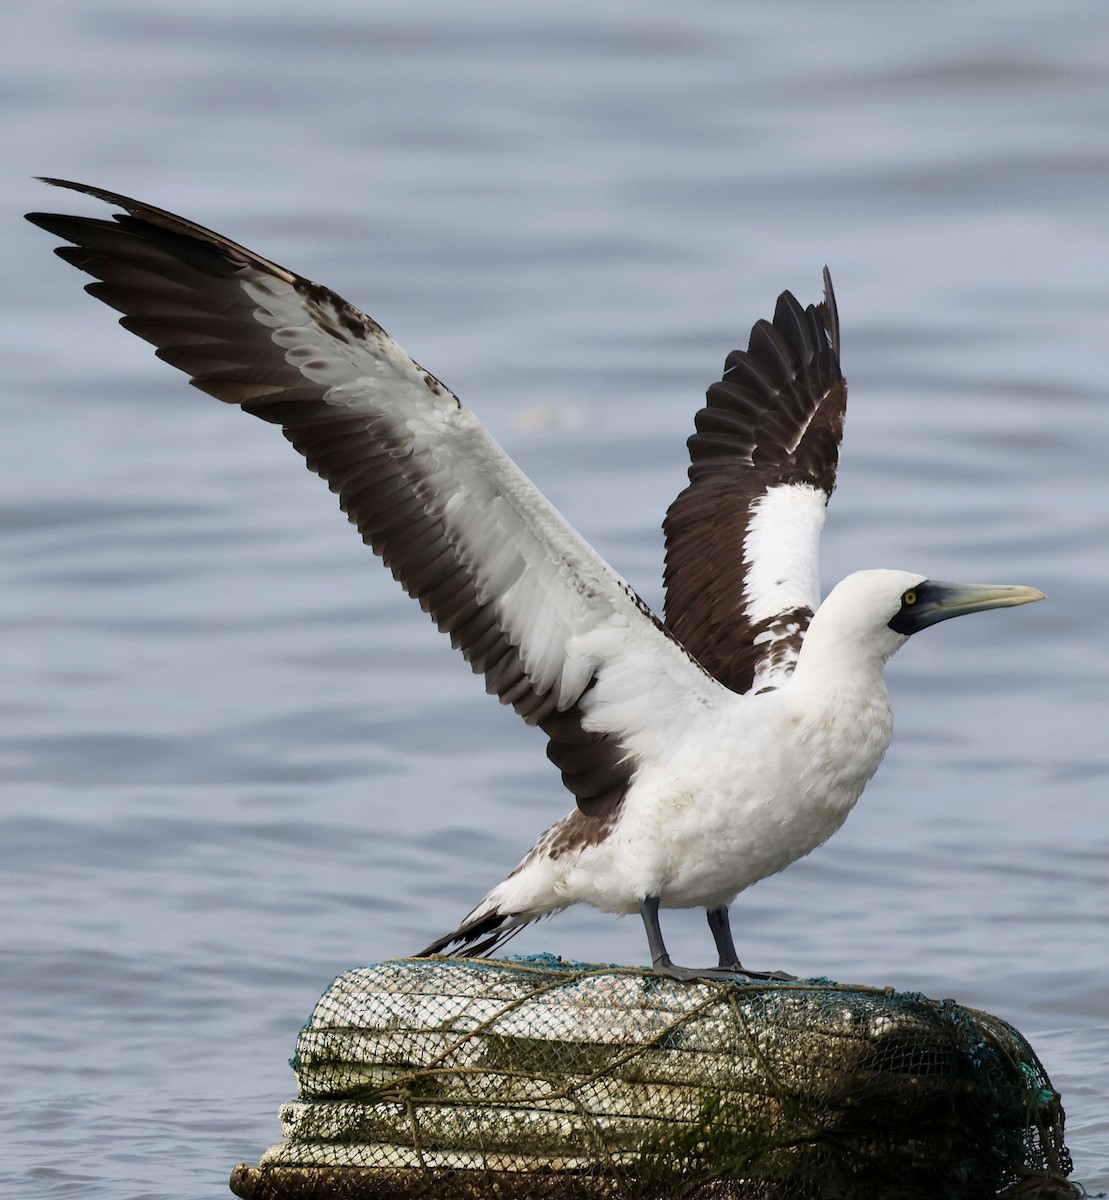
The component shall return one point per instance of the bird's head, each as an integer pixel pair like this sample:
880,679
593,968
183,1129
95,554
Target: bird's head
872,613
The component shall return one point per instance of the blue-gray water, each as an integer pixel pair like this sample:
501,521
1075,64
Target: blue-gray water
238,760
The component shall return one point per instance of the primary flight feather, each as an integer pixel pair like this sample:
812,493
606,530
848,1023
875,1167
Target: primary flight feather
704,751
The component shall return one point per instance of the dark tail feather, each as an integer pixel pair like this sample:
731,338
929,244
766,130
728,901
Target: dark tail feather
479,938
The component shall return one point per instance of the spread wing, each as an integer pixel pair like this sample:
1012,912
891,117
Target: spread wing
742,540
556,633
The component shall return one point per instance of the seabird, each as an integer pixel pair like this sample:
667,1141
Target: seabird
705,751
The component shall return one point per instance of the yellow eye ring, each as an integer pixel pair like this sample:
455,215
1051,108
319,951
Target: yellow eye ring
909,598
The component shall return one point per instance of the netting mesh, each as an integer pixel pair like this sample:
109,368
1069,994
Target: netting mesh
536,1078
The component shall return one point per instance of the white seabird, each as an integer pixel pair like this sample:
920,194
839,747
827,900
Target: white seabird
705,751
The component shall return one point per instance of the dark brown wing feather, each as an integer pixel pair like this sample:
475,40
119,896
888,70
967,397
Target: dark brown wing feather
181,287
776,417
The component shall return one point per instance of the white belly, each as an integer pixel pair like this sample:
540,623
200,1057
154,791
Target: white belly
721,813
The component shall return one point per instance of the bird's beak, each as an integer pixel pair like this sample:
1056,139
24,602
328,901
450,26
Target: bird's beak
931,602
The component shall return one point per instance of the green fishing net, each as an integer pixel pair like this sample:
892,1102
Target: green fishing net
537,1078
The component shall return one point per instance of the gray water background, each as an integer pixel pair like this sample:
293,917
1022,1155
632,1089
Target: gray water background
237,760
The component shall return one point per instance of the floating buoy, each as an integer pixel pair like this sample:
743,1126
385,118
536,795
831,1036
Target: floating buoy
539,1078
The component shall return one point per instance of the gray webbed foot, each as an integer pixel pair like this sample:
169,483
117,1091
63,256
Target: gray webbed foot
729,970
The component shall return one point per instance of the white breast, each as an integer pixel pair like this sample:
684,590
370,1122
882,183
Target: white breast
763,783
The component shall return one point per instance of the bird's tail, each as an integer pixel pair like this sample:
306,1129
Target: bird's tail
480,934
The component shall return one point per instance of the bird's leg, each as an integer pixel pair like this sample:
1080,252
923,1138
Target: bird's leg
721,926
660,960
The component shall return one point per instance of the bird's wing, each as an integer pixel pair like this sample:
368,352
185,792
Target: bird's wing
556,632
742,540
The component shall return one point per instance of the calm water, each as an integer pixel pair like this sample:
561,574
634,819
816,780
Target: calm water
238,760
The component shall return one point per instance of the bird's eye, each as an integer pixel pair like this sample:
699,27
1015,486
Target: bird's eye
909,598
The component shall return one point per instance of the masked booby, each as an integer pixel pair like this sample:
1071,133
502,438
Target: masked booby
704,751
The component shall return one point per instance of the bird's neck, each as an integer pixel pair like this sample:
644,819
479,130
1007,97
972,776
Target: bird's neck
837,656
839,698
